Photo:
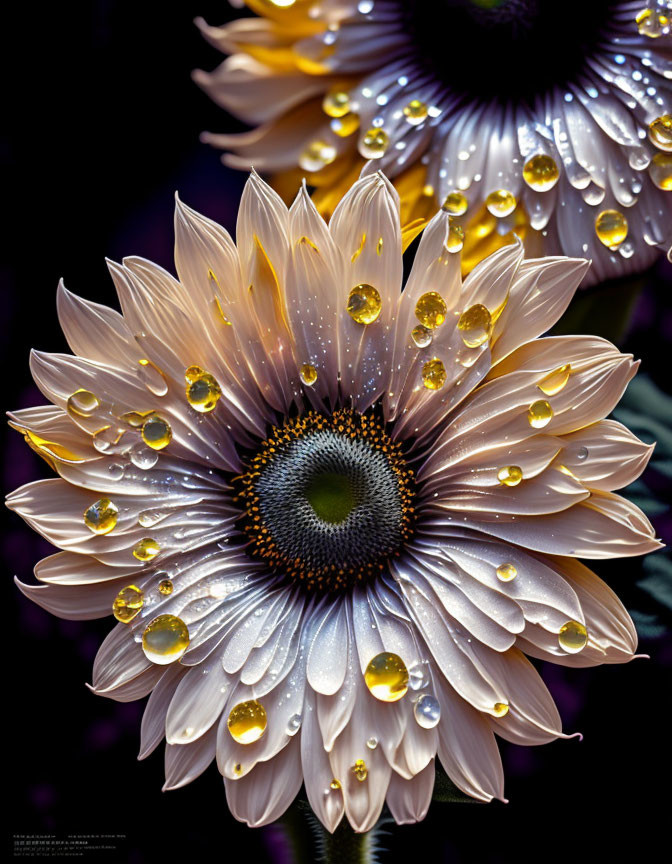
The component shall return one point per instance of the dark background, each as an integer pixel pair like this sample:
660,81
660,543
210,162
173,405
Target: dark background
104,128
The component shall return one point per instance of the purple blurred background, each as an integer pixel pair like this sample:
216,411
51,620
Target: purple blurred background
105,130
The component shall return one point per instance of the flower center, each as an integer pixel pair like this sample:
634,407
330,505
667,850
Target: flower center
327,499
500,48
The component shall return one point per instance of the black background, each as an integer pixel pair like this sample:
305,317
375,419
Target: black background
104,127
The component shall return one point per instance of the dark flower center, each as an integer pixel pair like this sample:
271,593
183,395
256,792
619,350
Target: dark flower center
507,48
327,499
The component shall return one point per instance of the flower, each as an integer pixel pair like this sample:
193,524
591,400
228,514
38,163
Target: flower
551,120
330,516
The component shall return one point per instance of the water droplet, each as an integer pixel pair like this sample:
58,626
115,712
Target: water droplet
148,518
501,203
660,171
573,637
308,374
510,475
294,724
416,111
203,390
456,204
165,587
500,709
386,676
539,414
165,639
611,228
418,675
651,23
555,381
541,173
335,785
146,550
422,336
467,356
152,377
506,572
345,126
156,432
434,374
582,453
372,743
360,770
317,155
374,144
455,239
101,517
336,103
364,304
83,403
127,603
115,470
247,721
427,711
143,458
475,325
430,310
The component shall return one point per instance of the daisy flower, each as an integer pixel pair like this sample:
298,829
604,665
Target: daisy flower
331,517
550,120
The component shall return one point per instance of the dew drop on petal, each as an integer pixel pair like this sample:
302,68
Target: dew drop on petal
455,203
143,458
101,517
247,721
455,239
416,111
335,785
430,310
506,572
386,676
165,587
146,549
336,103
573,637
156,432
434,374
317,155
660,132
372,743
555,381
475,325
308,374
421,336
500,709
501,202
611,228
165,639
294,724
364,304
345,126
539,414
427,711
374,144
360,770
582,453
418,675
203,390
510,475
83,403
127,603
660,171
541,173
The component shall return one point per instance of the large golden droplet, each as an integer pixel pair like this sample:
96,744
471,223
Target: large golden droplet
555,381
335,785
374,144
346,125
539,414
455,239
386,676
573,637
430,310
541,173
308,374
506,572
360,770
422,336
203,390
83,403
317,155
500,709
127,603
475,325
611,228
660,171
336,103
101,517
434,374
660,132
501,203
456,204
510,475
247,721
416,111
146,549
364,304
165,639
165,587
156,432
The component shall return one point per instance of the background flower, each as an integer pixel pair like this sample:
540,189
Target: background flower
550,121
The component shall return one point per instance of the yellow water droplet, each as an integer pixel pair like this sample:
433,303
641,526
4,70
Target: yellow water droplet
611,228
660,171
247,721
475,325
386,676
506,572
135,418
317,155
127,603
434,374
165,587
346,125
146,549
555,381
165,639
651,23
541,173
364,304
203,390
455,239
422,336
101,517
573,637
374,144
308,374
456,204
83,403
539,414
660,132
510,475
430,310
360,770
156,432
501,202
335,785
416,111
336,103
237,769
500,709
